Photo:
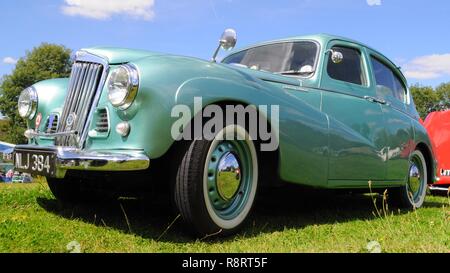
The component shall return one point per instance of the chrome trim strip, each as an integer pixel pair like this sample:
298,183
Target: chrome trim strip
437,188
103,160
40,134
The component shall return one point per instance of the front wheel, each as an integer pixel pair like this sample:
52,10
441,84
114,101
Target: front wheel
216,182
412,195
65,190
70,190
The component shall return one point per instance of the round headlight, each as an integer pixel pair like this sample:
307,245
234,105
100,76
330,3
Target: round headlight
27,104
123,85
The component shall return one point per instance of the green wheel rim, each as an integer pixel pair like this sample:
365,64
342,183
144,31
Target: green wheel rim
416,178
229,178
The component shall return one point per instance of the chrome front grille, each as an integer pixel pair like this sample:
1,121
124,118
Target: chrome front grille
83,85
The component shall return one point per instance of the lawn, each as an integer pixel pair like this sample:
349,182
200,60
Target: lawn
286,220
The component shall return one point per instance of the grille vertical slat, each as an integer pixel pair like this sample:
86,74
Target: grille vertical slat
83,84
90,92
70,93
86,86
81,103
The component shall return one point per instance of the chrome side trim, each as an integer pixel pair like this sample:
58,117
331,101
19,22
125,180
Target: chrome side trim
105,160
49,135
438,188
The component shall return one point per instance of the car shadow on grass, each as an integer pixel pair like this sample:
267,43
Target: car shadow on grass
275,210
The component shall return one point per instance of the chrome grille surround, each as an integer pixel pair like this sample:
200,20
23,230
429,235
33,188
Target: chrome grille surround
87,79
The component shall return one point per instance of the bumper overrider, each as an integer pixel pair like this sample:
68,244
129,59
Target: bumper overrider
55,161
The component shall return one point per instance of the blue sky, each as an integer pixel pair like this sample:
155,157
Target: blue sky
415,34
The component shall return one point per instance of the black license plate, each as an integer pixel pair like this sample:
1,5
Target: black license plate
35,162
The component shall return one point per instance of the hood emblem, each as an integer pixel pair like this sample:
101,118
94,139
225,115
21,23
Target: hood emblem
71,119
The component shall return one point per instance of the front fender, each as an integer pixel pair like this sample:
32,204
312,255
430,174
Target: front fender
215,90
51,95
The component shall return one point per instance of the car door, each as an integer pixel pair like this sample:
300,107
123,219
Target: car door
357,136
390,87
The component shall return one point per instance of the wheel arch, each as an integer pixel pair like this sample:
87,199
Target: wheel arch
266,159
426,151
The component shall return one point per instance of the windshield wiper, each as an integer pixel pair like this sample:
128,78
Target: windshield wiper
294,72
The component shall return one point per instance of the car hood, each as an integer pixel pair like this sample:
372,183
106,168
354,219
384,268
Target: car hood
116,55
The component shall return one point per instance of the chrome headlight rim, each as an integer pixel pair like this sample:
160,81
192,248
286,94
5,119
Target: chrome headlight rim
32,109
133,80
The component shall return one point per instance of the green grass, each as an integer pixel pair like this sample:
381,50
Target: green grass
291,220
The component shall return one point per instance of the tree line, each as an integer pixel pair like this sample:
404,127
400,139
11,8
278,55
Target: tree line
429,99
49,61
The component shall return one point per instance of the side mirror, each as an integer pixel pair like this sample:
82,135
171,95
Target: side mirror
226,42
336,56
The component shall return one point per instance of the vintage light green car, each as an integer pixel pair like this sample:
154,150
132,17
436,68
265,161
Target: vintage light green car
337,114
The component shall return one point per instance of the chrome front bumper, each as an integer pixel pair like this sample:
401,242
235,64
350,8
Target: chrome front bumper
102,160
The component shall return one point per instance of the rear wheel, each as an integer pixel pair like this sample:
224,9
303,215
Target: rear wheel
216,182
412,195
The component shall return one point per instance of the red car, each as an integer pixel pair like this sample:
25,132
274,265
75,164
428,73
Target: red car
438,127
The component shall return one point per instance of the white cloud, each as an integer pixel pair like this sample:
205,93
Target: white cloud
374,2
428,67
104,9
9,60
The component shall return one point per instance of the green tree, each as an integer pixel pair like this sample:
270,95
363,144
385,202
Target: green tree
425,99
443,92
46,61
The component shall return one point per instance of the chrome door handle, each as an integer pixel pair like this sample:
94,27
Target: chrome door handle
373,99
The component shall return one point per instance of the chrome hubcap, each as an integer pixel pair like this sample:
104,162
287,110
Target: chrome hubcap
228,176
415,179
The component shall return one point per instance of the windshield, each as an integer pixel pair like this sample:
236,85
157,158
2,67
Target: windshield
291,58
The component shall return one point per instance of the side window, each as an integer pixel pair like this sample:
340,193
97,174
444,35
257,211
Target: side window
388,84
350,69
400,90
